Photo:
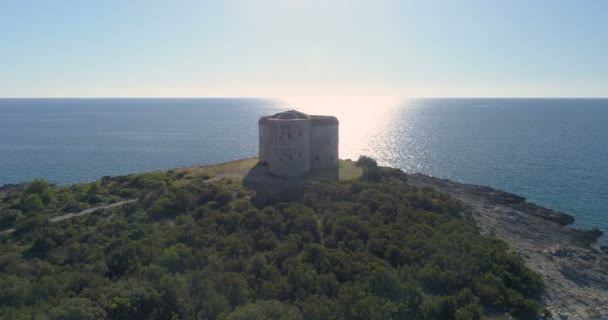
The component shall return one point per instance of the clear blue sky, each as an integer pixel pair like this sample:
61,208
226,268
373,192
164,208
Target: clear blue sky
277,48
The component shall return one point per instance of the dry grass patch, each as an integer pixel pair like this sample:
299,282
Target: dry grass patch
233,169
349,170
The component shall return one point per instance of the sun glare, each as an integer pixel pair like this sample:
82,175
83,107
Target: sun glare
361,118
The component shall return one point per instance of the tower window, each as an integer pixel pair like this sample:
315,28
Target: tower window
289,136
290,157
300,154
300,132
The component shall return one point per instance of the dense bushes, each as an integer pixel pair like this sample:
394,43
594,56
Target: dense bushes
39,197
352,250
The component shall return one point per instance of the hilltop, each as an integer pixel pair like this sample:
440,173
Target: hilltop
225,242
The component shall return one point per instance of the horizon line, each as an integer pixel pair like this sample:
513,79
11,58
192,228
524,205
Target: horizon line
312,96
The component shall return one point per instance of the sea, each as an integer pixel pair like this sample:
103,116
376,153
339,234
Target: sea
554,152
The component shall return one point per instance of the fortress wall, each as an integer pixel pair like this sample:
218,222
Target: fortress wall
265,142
324,145
289,152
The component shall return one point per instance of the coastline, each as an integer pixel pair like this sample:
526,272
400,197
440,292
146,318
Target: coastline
575,273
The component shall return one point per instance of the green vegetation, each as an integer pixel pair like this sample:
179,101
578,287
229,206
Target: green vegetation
367,248
371,170
39,199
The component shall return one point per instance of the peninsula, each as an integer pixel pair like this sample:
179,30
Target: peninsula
378,243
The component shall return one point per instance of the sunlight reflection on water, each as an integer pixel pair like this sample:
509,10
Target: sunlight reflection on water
364,123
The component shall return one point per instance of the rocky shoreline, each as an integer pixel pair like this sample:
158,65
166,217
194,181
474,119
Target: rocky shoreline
575,273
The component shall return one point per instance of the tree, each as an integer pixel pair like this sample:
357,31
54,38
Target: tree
366,162
95,188
9,217
175,257
371,171
32,203
41,188
42,244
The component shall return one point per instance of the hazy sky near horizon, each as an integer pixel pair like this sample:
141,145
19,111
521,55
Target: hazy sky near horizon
283,48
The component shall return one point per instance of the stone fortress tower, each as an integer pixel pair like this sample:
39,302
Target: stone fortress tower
293,143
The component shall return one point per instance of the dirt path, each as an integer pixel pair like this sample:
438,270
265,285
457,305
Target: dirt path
81,213
90,210
234,174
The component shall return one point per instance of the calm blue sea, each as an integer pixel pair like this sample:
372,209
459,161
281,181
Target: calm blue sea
552,151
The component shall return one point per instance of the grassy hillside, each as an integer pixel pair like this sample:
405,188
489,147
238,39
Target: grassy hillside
194,246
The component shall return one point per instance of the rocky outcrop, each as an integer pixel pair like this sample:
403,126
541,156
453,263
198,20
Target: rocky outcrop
497,197
575,274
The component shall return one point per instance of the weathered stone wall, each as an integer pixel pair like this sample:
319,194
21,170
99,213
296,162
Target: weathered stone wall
265,142
289,152
324,145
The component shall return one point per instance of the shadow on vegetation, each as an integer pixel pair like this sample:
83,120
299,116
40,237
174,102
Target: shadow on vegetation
270,189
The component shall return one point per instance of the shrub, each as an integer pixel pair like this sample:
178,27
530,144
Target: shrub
366,162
